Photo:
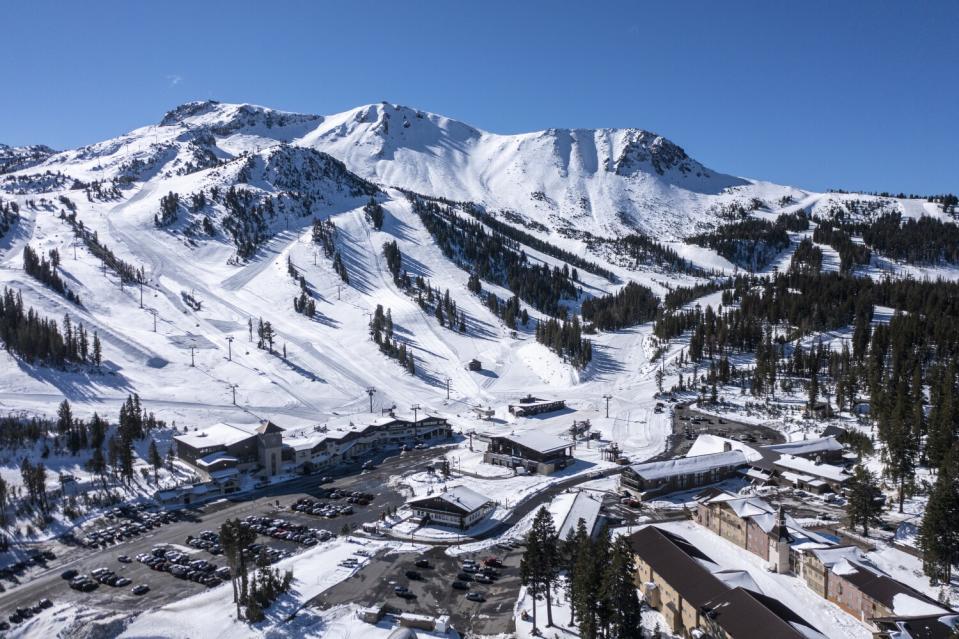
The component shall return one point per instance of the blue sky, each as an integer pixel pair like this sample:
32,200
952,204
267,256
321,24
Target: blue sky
857,95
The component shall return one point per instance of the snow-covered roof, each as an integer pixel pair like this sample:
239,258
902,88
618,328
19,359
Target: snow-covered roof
460,497
585,507
535,440
808,467
835,554
737,578
707,444
219,434
213,458
850,563
688,465
808,446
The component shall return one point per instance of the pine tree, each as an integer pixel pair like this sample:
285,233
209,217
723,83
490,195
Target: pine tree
97,465
64,418
619,590
939,531
155,460
865,499
539,567
97,353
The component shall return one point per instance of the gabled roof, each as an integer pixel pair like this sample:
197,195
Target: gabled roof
679,563
849,563
460,497
267,427
744,614
929,627
585,507
804,466
689,465
807,446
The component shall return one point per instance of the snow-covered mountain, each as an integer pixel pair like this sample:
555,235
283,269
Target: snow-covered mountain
607,181
216,203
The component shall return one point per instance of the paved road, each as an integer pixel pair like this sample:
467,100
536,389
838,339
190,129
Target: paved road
46,582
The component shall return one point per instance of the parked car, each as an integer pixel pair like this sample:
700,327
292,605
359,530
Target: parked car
140,589
69,574
422,563
475,596
414,575
460,585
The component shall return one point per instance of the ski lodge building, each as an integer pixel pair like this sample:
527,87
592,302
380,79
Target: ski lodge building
270,450
529,406
459,507
532,451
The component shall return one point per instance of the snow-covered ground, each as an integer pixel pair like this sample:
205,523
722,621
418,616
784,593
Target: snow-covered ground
187,366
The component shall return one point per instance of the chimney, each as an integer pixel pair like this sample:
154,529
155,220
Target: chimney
727,446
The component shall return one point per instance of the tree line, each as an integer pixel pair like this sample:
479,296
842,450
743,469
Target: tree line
33,338
851,254
507,310
169,204
751,243
566,340
496,258
381,332
9,214
538,244
908,367
596,576
45,271
128,273
631,305
304,302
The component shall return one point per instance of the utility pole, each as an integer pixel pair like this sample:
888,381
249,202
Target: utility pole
371,391
415,408
141,293
339,288
153,312
229,348
192,348
607,398
448,380
233,388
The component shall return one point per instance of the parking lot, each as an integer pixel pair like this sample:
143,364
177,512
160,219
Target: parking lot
689,423
433,593
44,580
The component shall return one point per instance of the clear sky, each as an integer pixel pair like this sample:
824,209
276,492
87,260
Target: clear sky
837,94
